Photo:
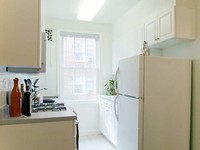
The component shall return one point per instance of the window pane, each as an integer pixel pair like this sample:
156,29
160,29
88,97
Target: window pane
90,50
79,49
79,68
68,49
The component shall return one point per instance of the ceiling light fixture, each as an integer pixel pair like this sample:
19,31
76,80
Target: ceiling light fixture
89,9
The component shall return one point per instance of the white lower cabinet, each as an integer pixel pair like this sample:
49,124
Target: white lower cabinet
108,122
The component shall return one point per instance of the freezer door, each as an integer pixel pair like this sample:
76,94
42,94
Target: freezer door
130,76
130,112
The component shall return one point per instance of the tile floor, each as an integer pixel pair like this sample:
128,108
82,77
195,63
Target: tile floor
95,142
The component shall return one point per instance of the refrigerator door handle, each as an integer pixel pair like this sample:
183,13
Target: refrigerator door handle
140,98
115,83
115,106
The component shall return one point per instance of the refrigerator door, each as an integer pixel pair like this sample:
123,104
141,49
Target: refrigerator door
130,76
130,111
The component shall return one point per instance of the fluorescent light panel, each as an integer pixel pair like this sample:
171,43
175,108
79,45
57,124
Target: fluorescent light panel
89,9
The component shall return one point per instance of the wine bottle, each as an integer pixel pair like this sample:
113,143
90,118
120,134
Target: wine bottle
27,102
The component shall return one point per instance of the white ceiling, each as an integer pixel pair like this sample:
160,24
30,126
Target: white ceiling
68,9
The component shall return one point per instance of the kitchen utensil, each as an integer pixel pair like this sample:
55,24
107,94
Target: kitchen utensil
35,82
26,82
29,84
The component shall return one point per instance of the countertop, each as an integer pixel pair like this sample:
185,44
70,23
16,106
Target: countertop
38,117
108,97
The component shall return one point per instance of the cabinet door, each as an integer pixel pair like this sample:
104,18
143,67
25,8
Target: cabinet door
59,135
20,33
108,122
102,114
151,31
166,25
113,129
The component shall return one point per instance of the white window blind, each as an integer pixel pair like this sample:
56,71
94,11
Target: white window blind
78,66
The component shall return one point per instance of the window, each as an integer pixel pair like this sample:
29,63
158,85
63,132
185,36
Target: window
78,69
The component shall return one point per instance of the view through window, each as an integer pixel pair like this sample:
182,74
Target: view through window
79,66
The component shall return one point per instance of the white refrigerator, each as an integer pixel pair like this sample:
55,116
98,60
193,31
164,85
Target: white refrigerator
153,103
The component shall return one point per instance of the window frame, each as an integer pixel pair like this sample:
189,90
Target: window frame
60,60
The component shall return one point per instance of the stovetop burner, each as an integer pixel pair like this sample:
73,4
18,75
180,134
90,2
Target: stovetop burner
43,107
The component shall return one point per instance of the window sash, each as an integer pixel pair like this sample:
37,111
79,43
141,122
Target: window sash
88,62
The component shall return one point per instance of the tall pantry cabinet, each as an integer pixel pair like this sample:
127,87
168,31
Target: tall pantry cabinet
20,33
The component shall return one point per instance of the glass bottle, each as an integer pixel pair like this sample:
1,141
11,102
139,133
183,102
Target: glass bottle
27,102
22,92
15,108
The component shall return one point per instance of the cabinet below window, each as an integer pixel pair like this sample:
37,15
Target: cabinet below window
108,122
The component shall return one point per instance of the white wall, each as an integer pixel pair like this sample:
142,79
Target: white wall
125,39
88,117
88,112
71,26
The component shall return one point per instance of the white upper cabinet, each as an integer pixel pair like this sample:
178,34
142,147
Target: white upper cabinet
160,28
166,25
151,31
20,33
171,26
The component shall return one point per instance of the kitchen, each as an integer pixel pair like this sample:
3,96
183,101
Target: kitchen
118,36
